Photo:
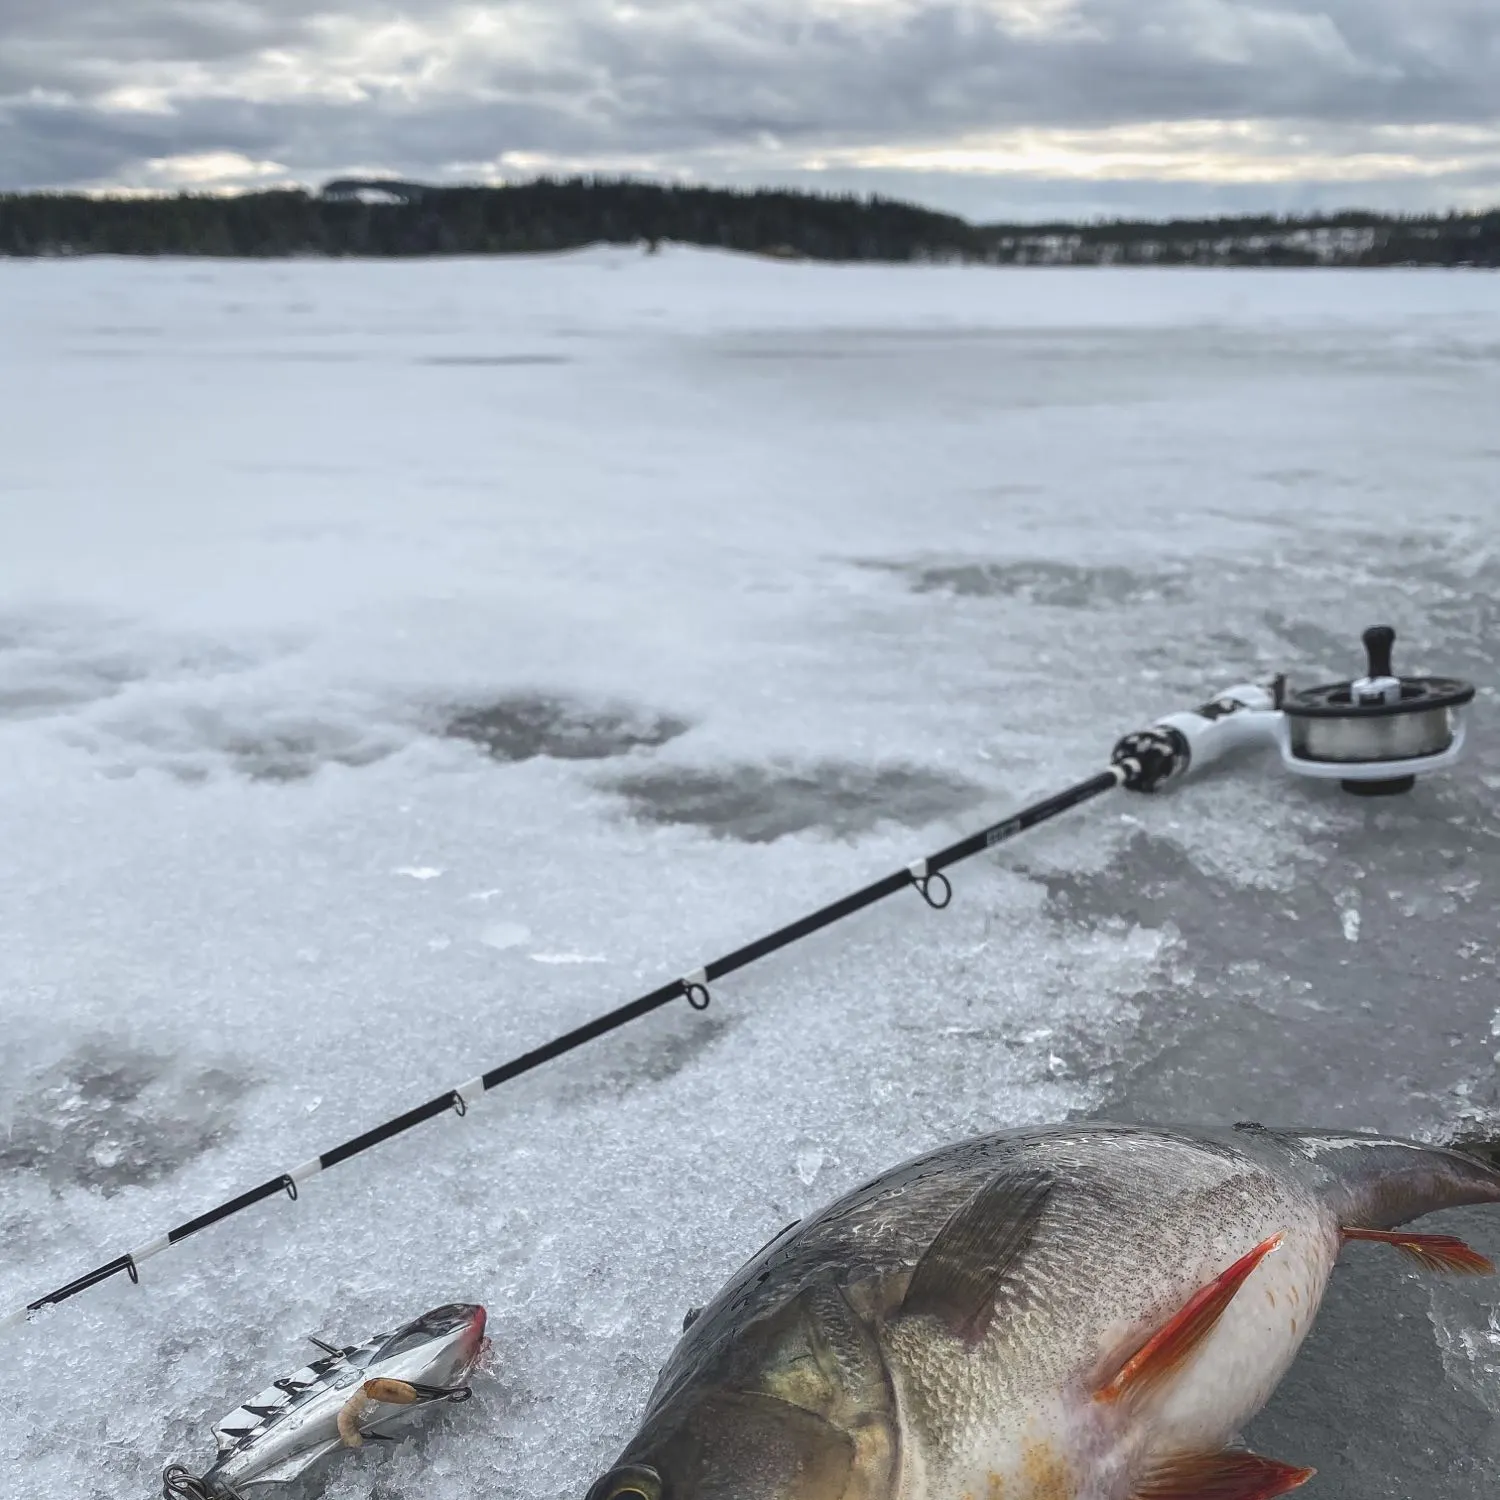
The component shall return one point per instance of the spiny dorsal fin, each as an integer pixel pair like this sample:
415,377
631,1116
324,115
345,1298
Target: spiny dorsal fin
1220,1476
963,1273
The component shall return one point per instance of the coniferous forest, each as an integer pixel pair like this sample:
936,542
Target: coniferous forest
547,215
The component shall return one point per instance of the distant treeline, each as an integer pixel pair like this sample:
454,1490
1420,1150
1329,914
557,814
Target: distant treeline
1342,239
372,218
537,216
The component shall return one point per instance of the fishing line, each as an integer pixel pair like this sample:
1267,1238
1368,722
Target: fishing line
1374,734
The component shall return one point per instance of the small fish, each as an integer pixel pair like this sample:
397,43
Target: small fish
1075,1312
338,1401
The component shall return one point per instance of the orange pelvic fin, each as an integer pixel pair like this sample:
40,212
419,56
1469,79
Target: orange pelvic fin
1220,1476
1438,1252
1168,1349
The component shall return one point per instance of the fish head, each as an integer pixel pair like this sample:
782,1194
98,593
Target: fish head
464,1321
738,1445
793,1404
449,1338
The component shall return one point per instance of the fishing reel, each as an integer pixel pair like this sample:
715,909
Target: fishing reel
1374,735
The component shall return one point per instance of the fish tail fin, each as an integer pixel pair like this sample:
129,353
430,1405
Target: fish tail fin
1380,1182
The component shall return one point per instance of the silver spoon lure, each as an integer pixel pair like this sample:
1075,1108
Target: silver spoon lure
344,1399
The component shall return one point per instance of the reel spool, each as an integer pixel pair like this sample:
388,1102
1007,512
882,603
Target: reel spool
1376,734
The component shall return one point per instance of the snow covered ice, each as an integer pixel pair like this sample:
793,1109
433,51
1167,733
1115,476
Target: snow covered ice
401,664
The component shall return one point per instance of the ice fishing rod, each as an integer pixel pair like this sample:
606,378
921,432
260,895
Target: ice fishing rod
1374,734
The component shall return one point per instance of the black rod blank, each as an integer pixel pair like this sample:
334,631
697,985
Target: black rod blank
922,874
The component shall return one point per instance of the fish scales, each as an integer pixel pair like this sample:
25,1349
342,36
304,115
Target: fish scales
1073,1312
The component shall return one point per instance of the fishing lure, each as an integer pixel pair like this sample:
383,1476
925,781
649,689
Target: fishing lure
336,1402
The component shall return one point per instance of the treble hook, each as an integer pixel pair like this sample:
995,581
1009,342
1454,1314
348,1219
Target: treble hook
441,1392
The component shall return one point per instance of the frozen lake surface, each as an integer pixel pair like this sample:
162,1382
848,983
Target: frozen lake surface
400,664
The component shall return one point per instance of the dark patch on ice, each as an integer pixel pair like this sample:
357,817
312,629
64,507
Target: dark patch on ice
493,361
1297,478
297,750
1285,1017
1463,615
120,352
1229,644
36,695
294,754
650,1057
1058,585
1440,591
110,1118
67,659
308,356
522,726
894,338
1318,645
758,804
1009,487
788,352
192,743
672,1053
45,668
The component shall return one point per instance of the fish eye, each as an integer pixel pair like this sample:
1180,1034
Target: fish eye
635,1482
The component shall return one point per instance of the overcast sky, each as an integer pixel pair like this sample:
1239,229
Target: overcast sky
994,108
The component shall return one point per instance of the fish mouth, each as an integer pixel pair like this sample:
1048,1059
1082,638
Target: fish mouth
467,1319
474,1337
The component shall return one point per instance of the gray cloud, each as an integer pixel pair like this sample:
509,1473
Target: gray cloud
726,84
82,44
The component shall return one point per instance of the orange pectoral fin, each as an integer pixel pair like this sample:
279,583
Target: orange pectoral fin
1167,1350
1438,1252
1220,1476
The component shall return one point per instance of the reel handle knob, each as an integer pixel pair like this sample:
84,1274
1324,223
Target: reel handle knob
1379,639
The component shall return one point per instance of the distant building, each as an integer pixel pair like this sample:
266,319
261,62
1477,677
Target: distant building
372,190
